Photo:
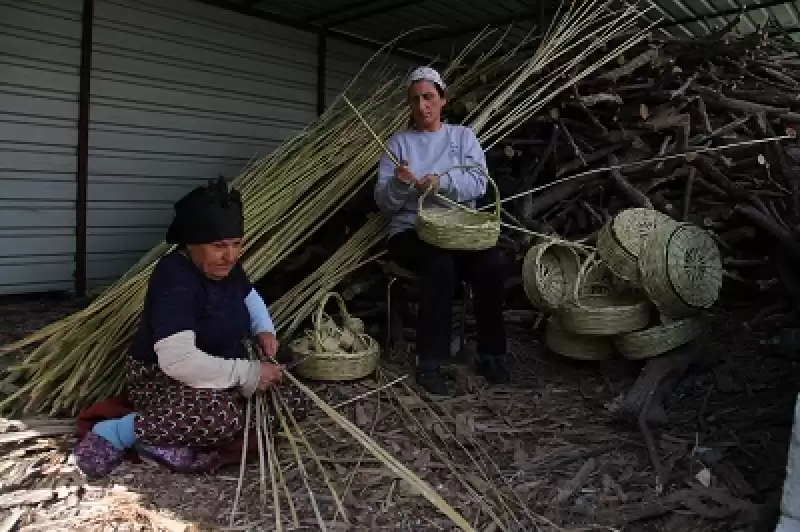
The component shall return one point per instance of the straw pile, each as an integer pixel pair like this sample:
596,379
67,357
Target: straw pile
642,312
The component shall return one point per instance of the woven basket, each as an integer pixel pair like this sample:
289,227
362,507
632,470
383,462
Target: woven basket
337,365
657,340
605,315
620,239
681,269
549,272
459,227
579,347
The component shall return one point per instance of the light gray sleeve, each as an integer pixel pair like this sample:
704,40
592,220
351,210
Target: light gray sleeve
180,359
463,184
391,194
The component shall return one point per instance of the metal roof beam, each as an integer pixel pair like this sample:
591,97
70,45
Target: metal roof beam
472,28
724,13
283,20
379,10
338,10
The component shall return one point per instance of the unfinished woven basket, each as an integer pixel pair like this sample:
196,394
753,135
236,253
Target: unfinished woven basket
549,272
619,240
605,315
459,227
330,360
657,340
681,269
579,347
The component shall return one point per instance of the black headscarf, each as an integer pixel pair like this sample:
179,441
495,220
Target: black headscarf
207,214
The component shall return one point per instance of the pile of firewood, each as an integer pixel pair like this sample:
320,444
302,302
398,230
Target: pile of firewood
682,124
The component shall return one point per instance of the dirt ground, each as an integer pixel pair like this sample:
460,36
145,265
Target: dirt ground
547,448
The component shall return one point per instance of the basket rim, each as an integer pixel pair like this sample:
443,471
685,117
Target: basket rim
498,202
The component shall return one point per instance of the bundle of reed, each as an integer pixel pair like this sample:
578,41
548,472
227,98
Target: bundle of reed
293,191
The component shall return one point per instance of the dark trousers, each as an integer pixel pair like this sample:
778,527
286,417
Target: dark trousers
439,271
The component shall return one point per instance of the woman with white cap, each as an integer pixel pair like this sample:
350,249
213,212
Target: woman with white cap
428,149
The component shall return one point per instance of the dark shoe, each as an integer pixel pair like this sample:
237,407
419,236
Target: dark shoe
178,459
434,381
96,457
494,369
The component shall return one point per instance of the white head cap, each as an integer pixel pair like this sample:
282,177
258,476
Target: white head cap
426,74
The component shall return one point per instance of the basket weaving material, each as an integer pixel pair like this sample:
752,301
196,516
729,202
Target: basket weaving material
579,347
657,340
549,272
605,315
681,269
459,227
620,239
330,360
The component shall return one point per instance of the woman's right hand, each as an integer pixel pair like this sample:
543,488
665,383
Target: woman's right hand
270,375
403,173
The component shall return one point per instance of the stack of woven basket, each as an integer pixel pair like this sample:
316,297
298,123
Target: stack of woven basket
641,292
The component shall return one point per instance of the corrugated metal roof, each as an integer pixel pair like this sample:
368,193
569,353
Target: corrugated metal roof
452,23
696,18
434,25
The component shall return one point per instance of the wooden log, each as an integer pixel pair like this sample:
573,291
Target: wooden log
656,380
633,194
628,68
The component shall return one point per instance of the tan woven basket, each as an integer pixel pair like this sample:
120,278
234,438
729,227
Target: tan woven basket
549,272
458,227
657,340
681,269
338,365
620,239
579,347
605,315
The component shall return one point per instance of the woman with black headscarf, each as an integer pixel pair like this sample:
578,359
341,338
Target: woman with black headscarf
189,370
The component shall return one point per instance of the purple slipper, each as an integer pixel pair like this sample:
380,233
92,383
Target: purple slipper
96,457
178,459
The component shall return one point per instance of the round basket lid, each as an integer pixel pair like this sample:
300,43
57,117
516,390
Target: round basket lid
631,226
694,266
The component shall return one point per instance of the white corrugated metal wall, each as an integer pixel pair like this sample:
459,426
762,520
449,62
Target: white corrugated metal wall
181,94
39,78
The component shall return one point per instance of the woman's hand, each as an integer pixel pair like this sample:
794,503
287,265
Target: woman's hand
271,374
430,181
268,344
403,173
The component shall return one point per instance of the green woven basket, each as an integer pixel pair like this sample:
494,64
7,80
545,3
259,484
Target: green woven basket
658,340
579,347
681,269
620,239
458,227
330,361
605,315
549,272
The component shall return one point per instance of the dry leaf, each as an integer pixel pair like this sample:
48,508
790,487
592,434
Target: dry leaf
362,418
644,111
520,456
465,425
704,477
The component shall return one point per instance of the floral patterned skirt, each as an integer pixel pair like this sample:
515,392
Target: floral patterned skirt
169,413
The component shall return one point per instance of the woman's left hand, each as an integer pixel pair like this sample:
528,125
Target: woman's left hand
268,343
430,181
